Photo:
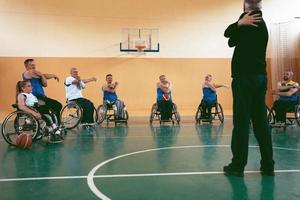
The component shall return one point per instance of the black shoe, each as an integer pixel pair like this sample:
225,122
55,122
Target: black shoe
231,171
267,173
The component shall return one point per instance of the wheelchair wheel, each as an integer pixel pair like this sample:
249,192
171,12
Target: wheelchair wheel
198,114
95,116
297,114
153,113
126,115
220,113
122,120
19,122
271,116
176,113
101,113
71,115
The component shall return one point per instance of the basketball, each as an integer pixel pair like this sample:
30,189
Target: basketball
24,141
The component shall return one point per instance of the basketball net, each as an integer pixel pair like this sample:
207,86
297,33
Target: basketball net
140,45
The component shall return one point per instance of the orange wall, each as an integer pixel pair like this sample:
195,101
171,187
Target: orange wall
137,77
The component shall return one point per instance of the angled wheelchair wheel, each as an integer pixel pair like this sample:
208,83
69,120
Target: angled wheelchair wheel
297,114
271,116
176,113
19,122
101,114
126,115
198,114
71,115
220,113
96,116
153,113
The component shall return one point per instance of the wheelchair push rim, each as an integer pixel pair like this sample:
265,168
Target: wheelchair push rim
297,114
220,113
176,114
101,114
19,122
71,115
153,113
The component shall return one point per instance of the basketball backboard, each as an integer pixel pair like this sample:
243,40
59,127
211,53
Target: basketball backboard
139,40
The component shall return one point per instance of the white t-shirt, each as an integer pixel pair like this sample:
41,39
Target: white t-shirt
73,91
30,99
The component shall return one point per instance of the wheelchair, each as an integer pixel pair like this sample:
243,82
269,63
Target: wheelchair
19,122
107,112
292,116
155,115
216,114
71,115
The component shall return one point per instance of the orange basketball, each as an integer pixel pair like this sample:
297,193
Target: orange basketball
24,141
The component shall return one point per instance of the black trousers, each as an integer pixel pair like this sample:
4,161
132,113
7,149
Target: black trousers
165,108
45,110
206,108
282,107
54,105
249,104
88,110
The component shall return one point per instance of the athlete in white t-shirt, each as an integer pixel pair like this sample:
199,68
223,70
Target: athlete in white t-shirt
29,103
74,85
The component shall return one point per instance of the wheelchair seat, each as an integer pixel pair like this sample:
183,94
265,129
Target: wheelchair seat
216,113
155,115
292,116
106,112
15,106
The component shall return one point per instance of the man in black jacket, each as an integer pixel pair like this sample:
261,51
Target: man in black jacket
249,36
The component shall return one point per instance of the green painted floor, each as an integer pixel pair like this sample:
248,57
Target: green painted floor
193,154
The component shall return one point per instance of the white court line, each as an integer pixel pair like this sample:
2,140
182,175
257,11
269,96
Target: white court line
99,194
134,175
184,174
42,178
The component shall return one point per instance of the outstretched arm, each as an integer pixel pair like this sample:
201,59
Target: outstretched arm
51,76
89,80
220,86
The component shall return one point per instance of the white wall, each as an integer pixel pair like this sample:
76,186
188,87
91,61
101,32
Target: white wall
92,28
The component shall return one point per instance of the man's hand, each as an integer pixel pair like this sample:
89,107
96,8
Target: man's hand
250,20
93,79
56,78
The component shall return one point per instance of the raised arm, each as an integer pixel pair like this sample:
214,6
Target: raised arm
35,73
166,88
247,19
51,76
23,107
211,86
284,88
287,90
110,87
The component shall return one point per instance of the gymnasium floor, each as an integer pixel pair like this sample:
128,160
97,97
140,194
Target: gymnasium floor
142,162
